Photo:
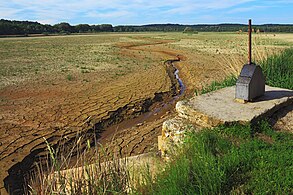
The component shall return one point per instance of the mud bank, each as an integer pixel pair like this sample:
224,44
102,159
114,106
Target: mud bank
131,114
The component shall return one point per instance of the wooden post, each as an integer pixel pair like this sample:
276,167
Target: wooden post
249,41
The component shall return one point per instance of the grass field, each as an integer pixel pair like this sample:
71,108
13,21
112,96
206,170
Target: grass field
30,59
59,85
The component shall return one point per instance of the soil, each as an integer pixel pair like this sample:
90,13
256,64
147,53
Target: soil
283,119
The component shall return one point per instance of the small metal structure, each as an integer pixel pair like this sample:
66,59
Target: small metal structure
251,82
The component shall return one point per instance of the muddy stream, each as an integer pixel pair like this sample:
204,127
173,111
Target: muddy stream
157,110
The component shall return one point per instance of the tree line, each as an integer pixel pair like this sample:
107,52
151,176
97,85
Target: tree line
8,27
11,27
206,28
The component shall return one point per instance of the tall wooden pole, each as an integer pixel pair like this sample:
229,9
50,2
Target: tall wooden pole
249,41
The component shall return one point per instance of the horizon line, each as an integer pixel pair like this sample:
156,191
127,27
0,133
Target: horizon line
168,23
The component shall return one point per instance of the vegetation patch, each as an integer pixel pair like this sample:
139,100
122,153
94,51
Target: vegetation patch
278,69
215,85
230,160
109,176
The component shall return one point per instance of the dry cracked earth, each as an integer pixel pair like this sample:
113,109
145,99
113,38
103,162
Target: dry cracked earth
30,113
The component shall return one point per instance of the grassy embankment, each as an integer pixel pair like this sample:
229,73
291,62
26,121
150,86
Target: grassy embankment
234,159
230,160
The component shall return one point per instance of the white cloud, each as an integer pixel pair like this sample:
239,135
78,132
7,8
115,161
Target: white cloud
54,11
247,9
280,2
114,14
50,21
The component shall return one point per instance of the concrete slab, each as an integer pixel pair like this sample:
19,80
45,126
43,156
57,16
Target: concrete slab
220,107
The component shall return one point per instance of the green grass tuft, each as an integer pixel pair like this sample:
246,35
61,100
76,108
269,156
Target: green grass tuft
229,81
69,77
216,162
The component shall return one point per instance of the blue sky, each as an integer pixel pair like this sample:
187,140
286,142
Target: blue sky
126,12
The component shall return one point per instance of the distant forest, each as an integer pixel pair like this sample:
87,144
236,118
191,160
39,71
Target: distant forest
8,27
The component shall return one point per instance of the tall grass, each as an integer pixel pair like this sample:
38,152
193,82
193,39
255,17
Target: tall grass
229,160
278,69
215,85
108,175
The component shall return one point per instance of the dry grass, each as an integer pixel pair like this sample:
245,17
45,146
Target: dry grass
215,56
40,58
67,172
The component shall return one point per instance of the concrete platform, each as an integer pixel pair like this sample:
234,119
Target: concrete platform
220,107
